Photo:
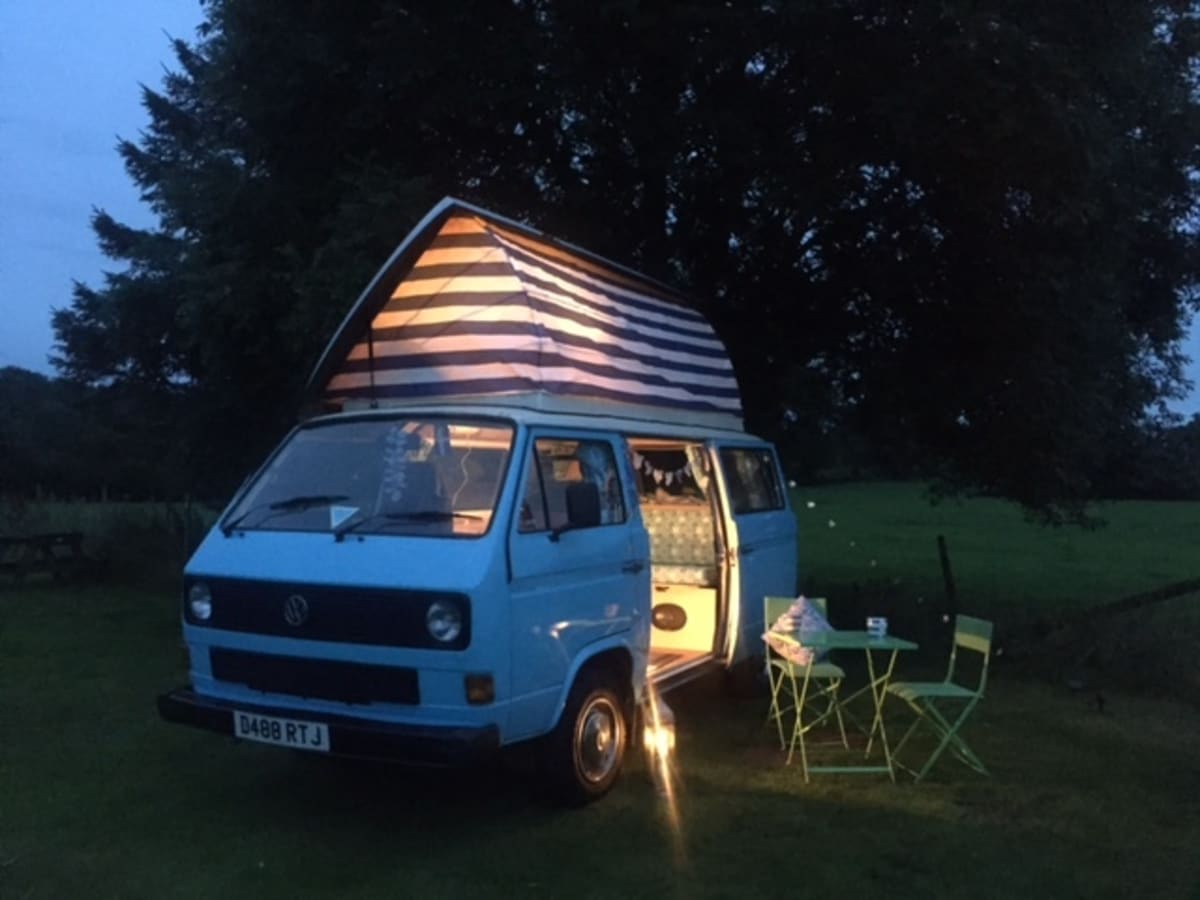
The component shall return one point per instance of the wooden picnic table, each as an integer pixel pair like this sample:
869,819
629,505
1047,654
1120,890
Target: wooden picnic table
59,554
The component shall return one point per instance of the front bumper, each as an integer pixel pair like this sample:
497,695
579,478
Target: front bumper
366,738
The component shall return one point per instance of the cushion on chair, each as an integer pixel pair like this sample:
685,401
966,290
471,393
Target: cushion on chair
788,648
911,690
798,622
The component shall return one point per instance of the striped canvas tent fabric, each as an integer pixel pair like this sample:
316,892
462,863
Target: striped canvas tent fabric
474,306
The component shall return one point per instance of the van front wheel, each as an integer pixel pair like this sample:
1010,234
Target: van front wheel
585,751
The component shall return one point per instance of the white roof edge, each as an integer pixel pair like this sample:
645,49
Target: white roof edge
568,412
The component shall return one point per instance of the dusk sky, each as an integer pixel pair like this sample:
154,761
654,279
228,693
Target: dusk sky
69,87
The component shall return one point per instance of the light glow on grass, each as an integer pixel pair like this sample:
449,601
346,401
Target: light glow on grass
658,738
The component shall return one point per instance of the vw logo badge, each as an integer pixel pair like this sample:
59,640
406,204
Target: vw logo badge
295,610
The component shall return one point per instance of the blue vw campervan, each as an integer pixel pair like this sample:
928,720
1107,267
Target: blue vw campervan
530,500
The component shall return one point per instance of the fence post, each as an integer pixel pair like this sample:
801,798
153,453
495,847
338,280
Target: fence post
947,576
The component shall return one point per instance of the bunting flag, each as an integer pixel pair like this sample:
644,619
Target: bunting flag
474,306
660,476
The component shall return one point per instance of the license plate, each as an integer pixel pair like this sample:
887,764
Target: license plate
281,732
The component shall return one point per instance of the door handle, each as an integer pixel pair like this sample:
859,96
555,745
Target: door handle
633,567
745,551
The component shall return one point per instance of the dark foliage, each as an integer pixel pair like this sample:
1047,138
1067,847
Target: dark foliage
955,232
69,440
1156,462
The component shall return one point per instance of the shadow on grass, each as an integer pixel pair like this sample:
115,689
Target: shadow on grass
379,792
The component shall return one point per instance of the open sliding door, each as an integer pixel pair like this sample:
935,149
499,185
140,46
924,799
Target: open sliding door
760,541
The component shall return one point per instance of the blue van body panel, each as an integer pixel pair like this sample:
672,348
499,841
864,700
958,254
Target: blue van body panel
767,568
470,566
569,595
374,560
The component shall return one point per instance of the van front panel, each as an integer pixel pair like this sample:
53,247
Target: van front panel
362,646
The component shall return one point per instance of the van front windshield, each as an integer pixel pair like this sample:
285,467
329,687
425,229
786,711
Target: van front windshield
427,476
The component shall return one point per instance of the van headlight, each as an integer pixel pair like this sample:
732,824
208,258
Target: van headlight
444,621
200,601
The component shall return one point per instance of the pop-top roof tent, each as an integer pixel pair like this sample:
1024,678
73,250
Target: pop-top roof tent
475,307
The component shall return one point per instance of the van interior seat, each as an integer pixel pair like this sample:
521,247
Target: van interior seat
682,544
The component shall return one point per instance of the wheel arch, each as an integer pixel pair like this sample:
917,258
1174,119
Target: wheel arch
611,658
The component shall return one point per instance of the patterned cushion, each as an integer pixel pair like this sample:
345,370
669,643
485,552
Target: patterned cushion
800,620
682,546
696,576
789,650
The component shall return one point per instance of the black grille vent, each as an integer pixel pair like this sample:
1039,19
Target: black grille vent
349,615
323,679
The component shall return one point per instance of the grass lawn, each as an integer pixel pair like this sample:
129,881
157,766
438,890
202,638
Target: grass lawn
879,541
98,798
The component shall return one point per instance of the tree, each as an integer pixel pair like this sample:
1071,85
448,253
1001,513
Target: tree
64,439
959,230
1155,462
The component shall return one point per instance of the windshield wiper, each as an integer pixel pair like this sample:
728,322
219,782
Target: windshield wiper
396,518
280,507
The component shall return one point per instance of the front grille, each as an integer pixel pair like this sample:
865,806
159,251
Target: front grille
323,679
352,615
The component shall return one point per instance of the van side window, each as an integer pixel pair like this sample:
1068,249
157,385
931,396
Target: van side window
556,464
752,478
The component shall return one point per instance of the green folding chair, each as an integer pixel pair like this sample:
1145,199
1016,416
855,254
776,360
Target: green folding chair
785,675
934,701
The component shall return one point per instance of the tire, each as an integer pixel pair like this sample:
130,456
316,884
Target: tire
582,757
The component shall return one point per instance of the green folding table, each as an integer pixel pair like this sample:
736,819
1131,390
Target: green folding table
876,687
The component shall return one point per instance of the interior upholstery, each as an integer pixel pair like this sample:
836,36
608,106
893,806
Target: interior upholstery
682,544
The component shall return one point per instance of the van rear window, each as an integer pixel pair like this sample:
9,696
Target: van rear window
752,478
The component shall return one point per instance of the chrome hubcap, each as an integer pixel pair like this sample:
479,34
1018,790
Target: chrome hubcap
598,736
